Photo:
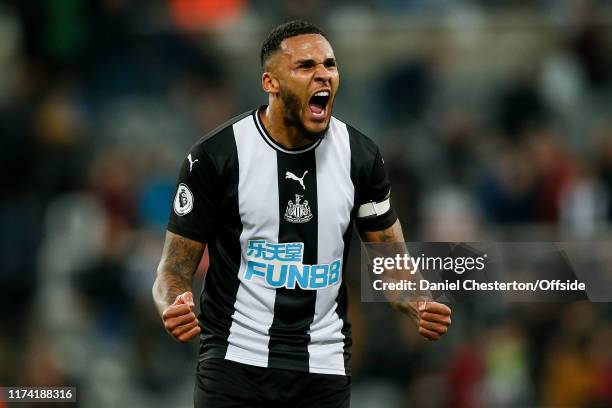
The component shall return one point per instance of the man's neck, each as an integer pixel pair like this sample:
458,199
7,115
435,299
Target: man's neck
287,136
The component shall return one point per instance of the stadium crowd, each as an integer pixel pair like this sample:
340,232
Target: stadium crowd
100,99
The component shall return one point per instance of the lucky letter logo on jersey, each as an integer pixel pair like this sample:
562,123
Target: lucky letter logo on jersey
280,265
183,201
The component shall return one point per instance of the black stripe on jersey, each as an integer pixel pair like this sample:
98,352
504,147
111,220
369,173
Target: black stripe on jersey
342,299
370,180
363,156
294,308
221,284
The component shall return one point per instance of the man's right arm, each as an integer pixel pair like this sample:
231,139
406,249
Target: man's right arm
172,291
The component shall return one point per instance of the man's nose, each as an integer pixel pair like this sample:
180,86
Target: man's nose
322,73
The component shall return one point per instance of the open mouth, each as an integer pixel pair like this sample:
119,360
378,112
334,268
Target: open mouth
318,104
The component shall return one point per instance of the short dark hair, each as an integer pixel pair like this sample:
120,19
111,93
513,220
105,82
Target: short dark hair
283,31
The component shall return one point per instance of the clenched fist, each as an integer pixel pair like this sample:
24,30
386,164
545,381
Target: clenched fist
179,319
434,319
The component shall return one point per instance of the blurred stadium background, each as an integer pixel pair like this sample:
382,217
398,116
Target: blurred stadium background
494,117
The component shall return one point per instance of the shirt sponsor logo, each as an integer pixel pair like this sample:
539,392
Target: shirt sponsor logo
183,200
280,265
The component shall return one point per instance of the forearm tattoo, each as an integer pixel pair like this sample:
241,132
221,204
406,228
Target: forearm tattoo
179,262
399,300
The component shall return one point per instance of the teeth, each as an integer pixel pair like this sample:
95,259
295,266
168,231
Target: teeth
322,93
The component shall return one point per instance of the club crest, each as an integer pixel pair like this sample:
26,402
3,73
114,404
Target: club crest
298,212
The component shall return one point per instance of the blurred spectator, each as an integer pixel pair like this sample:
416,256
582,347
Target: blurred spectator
554,167
466,376
569,378
602,146
520,106
508,194
562,84
506,382
199,14
406,91
114,181
600,359
584,203
450,215
587,41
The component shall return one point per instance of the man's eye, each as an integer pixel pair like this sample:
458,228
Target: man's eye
330,64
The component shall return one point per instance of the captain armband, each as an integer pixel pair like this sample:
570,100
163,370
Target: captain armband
373,209
376,216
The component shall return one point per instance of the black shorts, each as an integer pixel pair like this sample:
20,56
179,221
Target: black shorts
223,384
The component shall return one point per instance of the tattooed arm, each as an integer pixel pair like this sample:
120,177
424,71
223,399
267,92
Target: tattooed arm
172,287
433,318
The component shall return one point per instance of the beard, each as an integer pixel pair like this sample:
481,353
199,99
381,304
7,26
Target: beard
292,117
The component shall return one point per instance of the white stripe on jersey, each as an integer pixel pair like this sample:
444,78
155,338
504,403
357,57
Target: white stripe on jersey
326,348
258,203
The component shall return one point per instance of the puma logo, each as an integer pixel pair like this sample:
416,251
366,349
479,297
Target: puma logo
290,175
191,163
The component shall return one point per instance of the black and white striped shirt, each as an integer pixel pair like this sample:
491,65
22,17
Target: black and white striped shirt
278,224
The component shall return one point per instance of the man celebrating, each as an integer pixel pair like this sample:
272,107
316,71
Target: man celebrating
275,194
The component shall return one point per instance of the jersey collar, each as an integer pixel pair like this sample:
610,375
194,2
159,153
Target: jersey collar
273,143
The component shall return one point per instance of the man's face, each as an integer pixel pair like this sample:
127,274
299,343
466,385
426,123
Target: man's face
305,67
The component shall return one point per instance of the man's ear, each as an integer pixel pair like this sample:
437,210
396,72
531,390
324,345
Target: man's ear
269,83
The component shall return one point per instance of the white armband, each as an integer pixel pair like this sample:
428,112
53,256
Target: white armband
373,209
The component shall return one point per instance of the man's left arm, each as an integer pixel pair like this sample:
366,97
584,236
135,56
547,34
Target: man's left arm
433,318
